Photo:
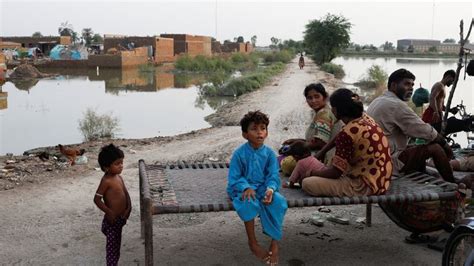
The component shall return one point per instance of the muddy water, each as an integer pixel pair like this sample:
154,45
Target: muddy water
427,72
46,112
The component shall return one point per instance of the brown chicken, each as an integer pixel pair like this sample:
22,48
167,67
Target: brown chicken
71,153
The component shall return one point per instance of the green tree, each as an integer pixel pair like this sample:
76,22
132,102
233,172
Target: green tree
97,38
388,46
240,39
87,36
253,40
66,29
327,37
433,49
37,34
449,40
275,42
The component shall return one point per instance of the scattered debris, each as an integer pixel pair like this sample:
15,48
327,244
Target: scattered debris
338,220
360,220
324,209
132,151
317,220
308,234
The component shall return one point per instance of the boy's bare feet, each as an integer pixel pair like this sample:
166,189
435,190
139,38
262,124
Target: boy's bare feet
259,252
273,253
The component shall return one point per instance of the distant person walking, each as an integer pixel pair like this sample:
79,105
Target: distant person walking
433,115
301,62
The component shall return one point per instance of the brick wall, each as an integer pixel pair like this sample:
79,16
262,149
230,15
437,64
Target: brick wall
164,51
248,47
105,60
233,47
216,47
185,43
194,48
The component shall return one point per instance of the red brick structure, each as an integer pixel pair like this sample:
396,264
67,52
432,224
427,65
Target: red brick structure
248,47
45,44
216,47
162,48
233,47
124,59
190,44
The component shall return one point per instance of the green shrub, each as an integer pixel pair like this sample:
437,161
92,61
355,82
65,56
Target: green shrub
283,56
244,84
336,70
95,126
375,77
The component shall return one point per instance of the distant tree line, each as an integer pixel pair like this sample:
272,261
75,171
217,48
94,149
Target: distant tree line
87,35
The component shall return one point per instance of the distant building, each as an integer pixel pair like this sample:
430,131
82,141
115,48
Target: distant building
420,46
417,45
45,44
162,49
9,45
190,44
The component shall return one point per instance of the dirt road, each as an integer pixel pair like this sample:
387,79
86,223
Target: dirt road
57,223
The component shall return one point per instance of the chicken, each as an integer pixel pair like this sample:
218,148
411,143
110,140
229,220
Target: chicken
71,153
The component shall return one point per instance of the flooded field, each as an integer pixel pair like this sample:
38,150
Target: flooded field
152,103
147,103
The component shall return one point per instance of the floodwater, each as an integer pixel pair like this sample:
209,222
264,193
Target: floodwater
427,72
46,112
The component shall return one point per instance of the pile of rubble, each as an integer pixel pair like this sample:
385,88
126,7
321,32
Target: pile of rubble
25,71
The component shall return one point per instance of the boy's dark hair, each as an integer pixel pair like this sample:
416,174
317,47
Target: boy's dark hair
347,103
449,73
299,148
399,75
318,87
256,117
109,154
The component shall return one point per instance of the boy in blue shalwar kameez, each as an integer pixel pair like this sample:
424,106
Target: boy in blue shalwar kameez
253,185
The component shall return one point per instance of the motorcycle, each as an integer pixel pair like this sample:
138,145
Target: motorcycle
459,249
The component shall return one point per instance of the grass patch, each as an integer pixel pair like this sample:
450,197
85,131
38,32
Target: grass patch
335,69
244,84
375,77
95,126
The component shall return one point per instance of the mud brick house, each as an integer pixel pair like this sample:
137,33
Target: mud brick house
45,44
122,59
191,45
162,48
232,47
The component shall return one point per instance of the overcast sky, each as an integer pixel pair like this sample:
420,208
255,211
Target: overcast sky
373,22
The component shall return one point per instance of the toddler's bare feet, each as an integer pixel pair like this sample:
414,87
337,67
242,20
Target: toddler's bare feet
273,253
259,252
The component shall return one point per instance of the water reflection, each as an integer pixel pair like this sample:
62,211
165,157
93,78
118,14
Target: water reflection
3,99
25,84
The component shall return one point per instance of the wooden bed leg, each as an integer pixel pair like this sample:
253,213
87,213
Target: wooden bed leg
148,228
368,215
142,222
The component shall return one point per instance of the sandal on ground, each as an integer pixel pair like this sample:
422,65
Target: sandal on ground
420,239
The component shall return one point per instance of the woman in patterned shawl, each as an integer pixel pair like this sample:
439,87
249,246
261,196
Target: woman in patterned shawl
362,164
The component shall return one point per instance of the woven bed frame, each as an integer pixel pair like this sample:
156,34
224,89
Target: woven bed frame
178,188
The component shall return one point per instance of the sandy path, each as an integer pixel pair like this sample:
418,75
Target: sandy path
57,222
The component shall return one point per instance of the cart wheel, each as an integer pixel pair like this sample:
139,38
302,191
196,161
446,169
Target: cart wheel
459,249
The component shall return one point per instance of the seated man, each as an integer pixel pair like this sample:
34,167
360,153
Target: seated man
399,123
433,115
362,164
